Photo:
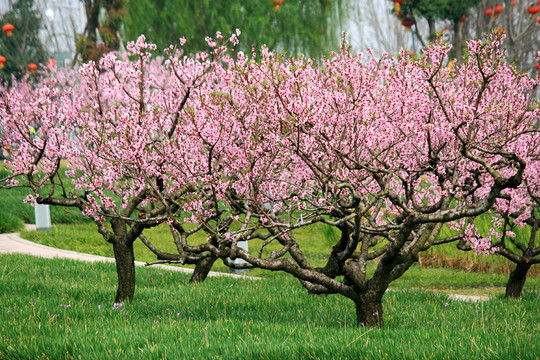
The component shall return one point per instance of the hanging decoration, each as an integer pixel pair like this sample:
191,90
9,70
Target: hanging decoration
407,23
276,4
533,10
32,68
397,5
8,28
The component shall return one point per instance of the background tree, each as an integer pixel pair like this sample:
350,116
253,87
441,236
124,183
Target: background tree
101,33
470,19
379,29
24,46
520,21
454,13
310,27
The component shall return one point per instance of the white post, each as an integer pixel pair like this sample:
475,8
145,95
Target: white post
43,217
242,245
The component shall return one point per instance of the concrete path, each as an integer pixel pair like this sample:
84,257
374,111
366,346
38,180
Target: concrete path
473,298
13,243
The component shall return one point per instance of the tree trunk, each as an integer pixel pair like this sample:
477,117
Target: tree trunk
458,41
125,268
369,311
202,269
516,281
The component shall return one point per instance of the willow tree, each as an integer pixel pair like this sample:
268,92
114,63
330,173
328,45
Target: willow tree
296,26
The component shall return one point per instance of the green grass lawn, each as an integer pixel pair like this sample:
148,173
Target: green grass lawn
62,309
13,207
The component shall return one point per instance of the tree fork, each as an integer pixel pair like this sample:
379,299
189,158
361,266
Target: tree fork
202,269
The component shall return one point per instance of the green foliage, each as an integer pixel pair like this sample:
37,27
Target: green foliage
438,9
46,314
300,26
104,17
24,46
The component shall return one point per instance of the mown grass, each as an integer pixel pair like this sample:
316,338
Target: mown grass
11,201
9,222
61,309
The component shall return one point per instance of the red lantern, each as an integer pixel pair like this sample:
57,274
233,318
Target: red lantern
489,12
498,10
397,4
514,3
2,62
8,28
533,10
276,4
32,68
463,17
407,23
537,66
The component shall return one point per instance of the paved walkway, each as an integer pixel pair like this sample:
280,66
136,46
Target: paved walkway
473,298
13,243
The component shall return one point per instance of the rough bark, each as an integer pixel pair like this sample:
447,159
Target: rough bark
458,43
369,311
516,281
125,268
202,269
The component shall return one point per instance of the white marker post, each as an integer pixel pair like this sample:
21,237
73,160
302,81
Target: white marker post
43,217
242,245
